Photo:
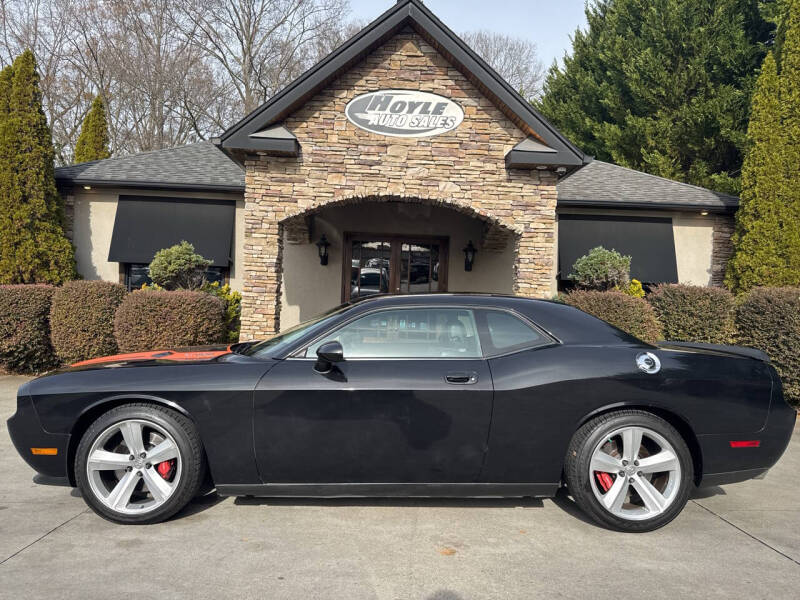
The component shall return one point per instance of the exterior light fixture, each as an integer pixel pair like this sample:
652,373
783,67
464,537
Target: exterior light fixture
469,256
322,245
87,187
703,213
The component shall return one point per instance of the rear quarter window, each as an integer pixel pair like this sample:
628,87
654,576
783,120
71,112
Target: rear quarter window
506,332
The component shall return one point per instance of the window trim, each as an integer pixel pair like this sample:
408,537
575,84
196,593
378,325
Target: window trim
300,353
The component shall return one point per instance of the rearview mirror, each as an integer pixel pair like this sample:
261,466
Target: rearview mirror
327,354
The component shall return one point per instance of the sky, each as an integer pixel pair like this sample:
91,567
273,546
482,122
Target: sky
548,23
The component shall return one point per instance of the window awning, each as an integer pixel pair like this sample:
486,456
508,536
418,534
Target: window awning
146,224
647,240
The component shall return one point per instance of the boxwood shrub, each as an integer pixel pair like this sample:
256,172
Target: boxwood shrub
82,319
769,319
153,319
632,315
690,313
25,328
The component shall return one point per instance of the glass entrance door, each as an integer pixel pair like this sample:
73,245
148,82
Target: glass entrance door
393,265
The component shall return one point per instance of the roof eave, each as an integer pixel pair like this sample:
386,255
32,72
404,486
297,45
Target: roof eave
624,205
152,185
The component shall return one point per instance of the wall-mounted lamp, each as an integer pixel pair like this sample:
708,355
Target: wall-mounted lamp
469,256
322,246
703,213
87,187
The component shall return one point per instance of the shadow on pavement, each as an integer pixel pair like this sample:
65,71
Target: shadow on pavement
563,501
707,492
392,502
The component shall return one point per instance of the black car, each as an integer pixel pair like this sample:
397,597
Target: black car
435,395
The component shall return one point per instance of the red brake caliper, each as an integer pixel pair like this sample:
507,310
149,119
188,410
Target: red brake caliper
603,479
166,468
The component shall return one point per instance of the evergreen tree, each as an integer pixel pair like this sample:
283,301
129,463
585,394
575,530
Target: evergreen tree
790,122
33,247
662,86
92,142
767,237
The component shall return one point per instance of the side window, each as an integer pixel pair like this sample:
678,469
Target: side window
507,332
409,333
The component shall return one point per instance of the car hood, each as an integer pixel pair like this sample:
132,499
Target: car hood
740,351
191,354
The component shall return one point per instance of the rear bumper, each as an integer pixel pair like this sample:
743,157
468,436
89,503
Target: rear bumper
723,464
27,432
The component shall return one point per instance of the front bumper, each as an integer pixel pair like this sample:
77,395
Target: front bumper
27,432
723,464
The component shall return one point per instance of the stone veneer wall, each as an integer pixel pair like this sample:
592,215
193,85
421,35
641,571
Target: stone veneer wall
722,248
463,169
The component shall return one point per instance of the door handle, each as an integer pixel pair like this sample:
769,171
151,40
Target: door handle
462,378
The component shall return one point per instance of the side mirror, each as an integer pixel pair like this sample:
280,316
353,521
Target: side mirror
327,354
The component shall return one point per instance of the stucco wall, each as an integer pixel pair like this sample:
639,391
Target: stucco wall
93,215
309,288
694,239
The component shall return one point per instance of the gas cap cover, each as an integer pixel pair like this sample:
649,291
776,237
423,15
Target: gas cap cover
648,362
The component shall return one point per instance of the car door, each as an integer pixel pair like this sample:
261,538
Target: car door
410,403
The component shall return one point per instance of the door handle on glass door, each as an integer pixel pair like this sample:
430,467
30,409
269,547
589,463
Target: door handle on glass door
462,378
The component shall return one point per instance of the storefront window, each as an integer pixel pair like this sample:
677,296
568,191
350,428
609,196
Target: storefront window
137,275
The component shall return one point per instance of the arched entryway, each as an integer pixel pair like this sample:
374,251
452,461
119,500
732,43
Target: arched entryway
389,245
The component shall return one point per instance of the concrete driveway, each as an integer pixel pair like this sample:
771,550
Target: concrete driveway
742,541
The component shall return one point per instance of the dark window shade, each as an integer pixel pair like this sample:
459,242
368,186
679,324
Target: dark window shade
146,224
648,241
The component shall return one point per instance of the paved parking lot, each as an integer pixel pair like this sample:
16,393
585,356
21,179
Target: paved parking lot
742,541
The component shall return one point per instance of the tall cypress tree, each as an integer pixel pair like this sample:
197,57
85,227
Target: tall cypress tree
767,237
662,86
33,247
790,121
92,142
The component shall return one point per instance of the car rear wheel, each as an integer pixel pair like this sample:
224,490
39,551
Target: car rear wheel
629,470
139,464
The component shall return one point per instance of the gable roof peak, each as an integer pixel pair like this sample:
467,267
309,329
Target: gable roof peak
238,139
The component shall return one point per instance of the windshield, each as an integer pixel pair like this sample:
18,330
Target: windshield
278,343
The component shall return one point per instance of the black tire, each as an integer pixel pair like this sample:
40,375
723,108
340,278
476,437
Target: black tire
577,475
182,430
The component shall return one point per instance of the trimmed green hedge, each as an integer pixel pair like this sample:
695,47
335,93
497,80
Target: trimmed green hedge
769,319
690,313
632,315
25,328
152,320
82,319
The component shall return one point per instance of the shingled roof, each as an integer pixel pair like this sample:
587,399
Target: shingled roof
203,166
200,166
603,185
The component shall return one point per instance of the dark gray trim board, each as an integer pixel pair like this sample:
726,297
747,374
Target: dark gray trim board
150,185
417,15
669,206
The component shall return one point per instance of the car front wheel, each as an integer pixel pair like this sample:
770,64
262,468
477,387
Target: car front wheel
629,470
139,464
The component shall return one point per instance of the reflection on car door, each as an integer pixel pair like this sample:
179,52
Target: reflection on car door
411,403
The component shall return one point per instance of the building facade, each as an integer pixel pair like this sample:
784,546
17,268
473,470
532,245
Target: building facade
400,164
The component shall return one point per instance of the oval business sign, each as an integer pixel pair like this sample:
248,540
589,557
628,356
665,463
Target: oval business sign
404,113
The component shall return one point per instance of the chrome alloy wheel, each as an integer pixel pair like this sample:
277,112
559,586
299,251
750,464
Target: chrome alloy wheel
134,466
635,473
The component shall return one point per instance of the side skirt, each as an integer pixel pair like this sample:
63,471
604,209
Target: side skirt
391,490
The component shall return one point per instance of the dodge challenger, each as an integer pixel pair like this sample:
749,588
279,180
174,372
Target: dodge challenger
436,395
